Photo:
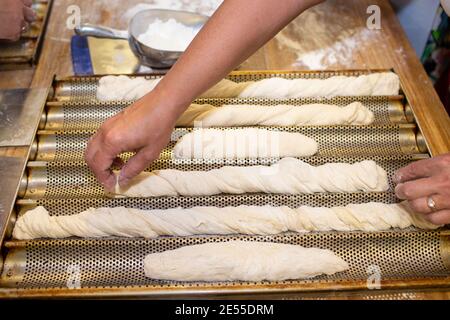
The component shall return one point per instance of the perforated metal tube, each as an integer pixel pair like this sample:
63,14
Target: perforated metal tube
64,185
118,263
85,88
332,141
88,115
75,180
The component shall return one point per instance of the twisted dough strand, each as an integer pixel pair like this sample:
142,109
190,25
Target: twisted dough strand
375,84
253,220
280,115
287,176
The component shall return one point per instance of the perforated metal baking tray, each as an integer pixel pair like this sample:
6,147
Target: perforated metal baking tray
57,178
89,115
332,141
74,205
115,266
75,180
85,88
28,48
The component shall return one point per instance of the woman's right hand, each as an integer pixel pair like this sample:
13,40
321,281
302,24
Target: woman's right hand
145,127
14,16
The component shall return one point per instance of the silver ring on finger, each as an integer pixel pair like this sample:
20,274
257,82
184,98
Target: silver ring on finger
431,204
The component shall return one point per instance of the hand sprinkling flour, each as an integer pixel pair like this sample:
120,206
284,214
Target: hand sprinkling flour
169,35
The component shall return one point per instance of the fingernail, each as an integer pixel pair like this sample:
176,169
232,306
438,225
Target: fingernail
123,182
396,178
398,193
121,179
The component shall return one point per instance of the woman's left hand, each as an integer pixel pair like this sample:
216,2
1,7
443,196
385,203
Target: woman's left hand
426,186
15,17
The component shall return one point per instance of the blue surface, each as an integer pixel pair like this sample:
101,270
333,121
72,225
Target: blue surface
81,58
416,18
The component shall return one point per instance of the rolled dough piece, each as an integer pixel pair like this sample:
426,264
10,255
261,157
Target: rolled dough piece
252,220
126,88
243,143
242,260
287,176
375,84
280,115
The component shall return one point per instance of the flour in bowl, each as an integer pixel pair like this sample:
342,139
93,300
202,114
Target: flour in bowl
168,35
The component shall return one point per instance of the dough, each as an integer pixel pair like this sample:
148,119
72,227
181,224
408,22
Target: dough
280,115
252,220
242,260
124,88
287,176
375,84
243,144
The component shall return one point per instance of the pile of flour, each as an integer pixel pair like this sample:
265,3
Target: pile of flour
205,7
170,35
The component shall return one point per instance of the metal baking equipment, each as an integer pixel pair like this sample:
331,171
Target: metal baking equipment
332,141
57,178
147,56
28,47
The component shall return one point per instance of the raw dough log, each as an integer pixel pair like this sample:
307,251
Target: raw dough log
126,88
242,260
252,220
206,115
243,143
375,84
287,176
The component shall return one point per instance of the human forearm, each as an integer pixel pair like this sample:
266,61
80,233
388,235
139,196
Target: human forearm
236,31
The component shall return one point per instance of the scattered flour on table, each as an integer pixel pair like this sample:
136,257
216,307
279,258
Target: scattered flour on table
321,41
339,53
169,35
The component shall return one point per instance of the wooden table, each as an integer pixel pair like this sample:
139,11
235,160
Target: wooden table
334,31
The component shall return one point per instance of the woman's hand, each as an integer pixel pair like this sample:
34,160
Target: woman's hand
15,15
426,186
144,127
236,30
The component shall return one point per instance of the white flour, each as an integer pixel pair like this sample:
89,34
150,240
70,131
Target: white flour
169,35
339,53
206,7
321,41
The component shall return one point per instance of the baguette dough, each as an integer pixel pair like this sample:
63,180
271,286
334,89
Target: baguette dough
287,176
252,220
242,260
206,115
124,88
375,84
243,143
